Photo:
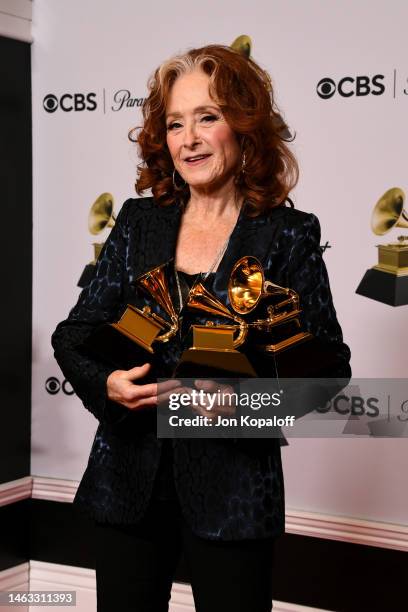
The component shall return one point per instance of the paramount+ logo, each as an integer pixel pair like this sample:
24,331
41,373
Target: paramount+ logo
70,102
351,86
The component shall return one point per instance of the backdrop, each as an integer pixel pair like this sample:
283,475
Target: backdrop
340,75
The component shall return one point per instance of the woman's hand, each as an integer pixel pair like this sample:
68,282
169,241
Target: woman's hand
122,389
224,405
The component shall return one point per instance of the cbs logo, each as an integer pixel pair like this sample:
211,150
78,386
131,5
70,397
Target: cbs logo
53,386
351,86
70,102
354,405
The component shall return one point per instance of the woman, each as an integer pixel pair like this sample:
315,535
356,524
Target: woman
220,171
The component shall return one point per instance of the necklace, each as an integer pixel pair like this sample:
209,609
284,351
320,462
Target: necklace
218,258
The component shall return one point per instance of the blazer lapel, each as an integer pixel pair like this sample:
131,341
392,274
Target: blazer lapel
251,236
158,231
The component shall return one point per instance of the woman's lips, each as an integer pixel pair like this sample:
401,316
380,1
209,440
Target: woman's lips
198,161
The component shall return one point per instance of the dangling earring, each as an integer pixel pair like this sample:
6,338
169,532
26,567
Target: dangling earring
177,187
243,163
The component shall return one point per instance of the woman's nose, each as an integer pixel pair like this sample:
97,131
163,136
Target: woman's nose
191,135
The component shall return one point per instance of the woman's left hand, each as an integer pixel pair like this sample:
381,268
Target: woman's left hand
217,400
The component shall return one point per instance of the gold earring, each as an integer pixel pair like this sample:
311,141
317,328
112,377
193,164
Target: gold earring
177,187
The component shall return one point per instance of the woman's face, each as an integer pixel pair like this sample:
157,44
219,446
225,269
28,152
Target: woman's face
204,149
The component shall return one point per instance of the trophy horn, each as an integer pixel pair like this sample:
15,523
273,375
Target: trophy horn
155,283
201,299
389,212
101,214
247,286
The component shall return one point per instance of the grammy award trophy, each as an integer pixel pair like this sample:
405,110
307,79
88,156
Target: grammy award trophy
129,341
264,337
387,281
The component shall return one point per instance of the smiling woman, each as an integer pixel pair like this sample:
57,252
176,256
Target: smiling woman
229,97
214,154
204,149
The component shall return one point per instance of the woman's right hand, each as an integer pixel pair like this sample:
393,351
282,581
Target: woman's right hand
122,390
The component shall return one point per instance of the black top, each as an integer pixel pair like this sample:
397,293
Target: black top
164,484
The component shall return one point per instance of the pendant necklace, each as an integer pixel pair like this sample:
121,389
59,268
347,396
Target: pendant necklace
218,258
205,275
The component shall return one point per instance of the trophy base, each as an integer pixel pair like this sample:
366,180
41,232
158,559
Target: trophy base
287,343
111,346
308,358
86,276
384,287
311,358
204,363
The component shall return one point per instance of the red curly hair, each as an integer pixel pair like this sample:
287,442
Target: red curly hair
244,93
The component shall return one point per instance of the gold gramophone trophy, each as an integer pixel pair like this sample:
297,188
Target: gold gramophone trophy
100,216
129,341
264,325
387,281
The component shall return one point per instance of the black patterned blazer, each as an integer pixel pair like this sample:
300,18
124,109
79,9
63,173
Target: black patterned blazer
226,491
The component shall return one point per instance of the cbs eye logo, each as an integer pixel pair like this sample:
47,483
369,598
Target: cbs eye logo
50,103
351,86
70,102
53,386
326,88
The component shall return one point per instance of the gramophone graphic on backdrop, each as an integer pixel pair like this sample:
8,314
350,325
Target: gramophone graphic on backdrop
387,281
101,215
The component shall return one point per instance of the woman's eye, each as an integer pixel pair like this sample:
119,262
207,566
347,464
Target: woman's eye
208,118
174,125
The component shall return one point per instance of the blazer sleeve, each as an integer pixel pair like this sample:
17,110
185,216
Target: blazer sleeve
97,303
307,275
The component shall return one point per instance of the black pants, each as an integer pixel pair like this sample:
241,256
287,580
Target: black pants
135,566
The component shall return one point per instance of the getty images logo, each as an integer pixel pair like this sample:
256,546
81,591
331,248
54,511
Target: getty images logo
70,102
351,86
